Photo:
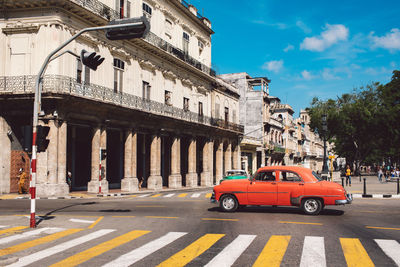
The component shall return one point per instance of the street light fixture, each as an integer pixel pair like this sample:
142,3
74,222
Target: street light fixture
324,132
130,29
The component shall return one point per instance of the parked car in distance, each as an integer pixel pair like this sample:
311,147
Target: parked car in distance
234,174
281,186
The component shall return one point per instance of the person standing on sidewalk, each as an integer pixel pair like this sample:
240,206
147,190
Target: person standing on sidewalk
22,179
348,175
380,174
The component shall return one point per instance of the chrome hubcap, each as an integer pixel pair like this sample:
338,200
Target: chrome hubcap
228,203
311,205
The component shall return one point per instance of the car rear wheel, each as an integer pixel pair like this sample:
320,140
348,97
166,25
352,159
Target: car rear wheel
311,206
228,203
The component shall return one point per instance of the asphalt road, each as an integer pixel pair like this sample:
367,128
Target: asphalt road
198,231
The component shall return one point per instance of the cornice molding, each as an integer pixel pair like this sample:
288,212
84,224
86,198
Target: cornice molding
18,27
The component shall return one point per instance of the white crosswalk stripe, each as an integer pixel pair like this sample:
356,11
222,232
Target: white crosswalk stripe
46,230
80,221
313,252
391,248
59,248
169,195
145,195
229,254
2,226
195,195
145,250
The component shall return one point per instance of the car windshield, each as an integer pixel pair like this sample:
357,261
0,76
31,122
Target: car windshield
316,176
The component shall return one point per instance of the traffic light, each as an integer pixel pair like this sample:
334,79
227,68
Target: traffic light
41,140
141,28
27,138
90,59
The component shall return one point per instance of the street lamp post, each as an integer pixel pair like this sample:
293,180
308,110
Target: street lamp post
324,132
135,29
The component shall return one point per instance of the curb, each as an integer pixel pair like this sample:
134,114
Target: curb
380,196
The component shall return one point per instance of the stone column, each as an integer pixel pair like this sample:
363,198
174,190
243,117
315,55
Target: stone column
219,162
236,158
130,181
51,184
211,161
155,180
262,157
5,157
175,178
205,175
191,176
99,140
228,157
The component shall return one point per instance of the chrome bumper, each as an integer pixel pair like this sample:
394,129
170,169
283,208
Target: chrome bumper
348,200
212,198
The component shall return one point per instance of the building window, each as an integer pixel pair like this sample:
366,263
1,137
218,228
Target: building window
226,114
146,90
79,71
168,28
185,42
200,109
146,10
201,46
120,6
186,104
168,96
119,67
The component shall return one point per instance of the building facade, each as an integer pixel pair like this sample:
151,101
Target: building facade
154,105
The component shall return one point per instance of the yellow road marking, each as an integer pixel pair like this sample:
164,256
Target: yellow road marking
8,196
355,253
182,195
385,228
96,222
156,195
208,195
123,216
147,206
192,251
301,223
161,217
12,230
218,219
273,252
100,249
133,196
37,242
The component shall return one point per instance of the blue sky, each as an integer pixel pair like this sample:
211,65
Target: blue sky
307,48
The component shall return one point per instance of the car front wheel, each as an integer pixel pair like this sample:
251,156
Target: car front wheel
228,203
311,206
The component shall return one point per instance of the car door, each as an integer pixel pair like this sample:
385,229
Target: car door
262,190
290,188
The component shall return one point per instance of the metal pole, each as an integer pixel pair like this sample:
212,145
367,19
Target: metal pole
398,186
365,186
37,108
100,173
343,181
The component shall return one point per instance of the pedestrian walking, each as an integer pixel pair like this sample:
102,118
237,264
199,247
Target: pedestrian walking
69,180
380,174
348,175
22,180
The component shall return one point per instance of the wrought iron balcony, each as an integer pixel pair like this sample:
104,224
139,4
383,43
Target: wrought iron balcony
59,84
98,8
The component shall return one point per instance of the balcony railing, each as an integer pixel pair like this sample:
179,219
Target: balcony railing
108,13
65,85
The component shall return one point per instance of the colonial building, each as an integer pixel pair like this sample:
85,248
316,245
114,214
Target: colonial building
154,105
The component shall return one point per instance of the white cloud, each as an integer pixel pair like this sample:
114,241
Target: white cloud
288,48
332,35
393,64
273,65
303,26
390,41
329,74
307,75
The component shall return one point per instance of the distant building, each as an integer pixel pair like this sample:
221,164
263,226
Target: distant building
154,104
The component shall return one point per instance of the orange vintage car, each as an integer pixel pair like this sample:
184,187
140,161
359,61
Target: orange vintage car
281,186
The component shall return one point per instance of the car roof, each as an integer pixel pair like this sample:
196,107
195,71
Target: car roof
305,172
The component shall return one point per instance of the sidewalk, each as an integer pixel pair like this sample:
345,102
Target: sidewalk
111,193
374,188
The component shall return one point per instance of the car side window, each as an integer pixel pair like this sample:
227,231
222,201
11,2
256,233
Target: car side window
286,176
265,176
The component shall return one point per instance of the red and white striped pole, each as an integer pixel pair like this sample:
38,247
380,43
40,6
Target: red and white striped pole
32,181
100,173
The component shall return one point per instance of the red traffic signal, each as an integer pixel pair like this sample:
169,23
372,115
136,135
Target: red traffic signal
141,27
90,59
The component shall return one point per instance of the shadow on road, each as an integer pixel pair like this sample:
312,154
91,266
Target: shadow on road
269,209
48,216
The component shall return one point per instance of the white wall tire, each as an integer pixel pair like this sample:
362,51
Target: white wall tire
228,203
311,206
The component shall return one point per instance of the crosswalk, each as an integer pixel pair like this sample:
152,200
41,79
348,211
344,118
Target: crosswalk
72,247
202,195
